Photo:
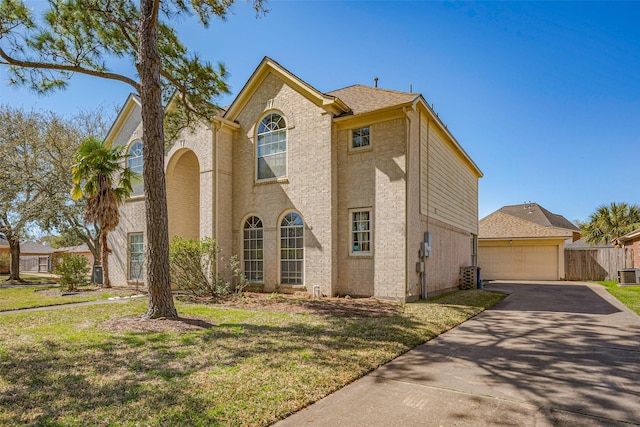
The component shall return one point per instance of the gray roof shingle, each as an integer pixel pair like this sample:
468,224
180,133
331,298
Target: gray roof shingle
362,99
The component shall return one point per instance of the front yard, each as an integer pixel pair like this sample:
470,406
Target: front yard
248,363
31,296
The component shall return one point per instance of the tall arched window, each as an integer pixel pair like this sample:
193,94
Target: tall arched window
253,254
135,158
291,249
271,153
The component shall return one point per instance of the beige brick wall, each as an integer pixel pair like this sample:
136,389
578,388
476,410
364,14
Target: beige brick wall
132,220
307,188
373,179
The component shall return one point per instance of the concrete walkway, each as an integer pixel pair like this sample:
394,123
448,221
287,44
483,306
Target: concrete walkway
550,354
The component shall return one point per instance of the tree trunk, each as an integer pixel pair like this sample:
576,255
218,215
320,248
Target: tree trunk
14,250
160,297
105,261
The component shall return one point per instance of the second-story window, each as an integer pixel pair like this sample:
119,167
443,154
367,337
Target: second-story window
272,147
360,138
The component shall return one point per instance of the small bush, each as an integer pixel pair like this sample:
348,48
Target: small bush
73,271
192,267
5,262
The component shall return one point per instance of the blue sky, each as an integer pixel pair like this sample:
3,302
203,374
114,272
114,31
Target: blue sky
544,96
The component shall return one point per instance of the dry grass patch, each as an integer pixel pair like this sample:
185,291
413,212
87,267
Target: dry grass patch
219,365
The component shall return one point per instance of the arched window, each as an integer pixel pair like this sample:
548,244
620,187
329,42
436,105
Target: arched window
253,255
291,249
272,147
135,158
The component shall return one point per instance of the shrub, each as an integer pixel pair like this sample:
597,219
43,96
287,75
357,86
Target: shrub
192,267
73,271
5,262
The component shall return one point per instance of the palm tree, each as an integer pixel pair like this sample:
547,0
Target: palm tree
608,223
97,168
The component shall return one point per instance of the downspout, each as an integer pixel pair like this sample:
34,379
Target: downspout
217,128
406,200
424,255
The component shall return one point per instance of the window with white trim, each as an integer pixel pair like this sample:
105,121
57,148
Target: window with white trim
360,138
253,250
134,161
271,151
360,231
291,249
136,256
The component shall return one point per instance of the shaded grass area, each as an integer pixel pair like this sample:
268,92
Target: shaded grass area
37,296
239,367
33,279
628,295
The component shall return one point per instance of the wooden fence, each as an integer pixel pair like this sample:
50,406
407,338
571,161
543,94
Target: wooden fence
596,264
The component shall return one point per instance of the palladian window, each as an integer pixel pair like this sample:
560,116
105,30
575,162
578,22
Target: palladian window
272,147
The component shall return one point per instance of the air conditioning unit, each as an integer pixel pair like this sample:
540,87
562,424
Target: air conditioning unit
629,276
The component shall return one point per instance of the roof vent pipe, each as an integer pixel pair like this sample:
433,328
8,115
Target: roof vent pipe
375,82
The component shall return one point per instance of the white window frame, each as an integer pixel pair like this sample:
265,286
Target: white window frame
132,157
270,133
369,222
130,254
256,254
281,248
352,136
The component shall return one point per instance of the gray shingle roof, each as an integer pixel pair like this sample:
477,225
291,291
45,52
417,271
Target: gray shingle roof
362,99
582,244
525,221
35,248
3,242
535,213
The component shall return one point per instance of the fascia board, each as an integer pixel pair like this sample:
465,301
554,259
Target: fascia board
131,102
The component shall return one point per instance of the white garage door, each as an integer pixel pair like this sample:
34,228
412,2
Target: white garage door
519,262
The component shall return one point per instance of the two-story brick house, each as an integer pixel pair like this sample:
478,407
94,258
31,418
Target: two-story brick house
330,193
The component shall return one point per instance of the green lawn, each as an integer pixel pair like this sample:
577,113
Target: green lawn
628,295
67,367
29,278
37,296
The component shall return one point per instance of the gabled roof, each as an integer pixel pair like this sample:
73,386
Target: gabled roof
132,102
73,249
4,242
630,236
35,248
501,225
535,213
362,99
267,66
528,220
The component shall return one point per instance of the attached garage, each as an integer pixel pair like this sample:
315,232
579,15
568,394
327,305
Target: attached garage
523,242
519,261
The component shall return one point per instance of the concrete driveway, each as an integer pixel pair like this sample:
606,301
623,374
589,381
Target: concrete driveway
551,353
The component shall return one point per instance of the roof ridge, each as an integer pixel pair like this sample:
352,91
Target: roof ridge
377,88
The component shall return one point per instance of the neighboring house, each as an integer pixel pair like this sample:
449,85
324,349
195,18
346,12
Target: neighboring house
326,193
632,241
35,257
524,242
82,249
4,249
